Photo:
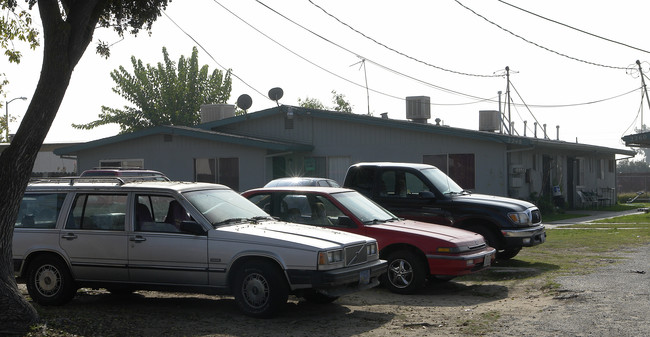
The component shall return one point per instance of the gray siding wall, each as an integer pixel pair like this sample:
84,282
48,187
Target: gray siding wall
175,158
334,138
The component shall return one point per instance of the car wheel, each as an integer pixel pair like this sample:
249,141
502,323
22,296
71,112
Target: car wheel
260,289
49,281
406,273
508,253
316,297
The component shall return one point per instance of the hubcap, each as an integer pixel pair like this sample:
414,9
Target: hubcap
48,280
255,290
400,273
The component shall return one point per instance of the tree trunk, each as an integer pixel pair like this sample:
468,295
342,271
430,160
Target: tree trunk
64,43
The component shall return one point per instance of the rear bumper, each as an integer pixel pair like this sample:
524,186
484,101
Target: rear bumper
525,237
339,282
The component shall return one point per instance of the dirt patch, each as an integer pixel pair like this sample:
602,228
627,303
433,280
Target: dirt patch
613,300
455,308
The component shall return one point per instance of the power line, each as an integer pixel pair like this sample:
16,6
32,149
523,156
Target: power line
355,54
536,44
394,50
300,56
212,57
576,29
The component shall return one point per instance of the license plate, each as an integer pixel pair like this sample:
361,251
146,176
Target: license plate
364,277
487,261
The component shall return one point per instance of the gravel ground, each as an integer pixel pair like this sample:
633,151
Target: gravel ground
613,301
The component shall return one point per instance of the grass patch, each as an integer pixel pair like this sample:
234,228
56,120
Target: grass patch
486,322
577,249
640,219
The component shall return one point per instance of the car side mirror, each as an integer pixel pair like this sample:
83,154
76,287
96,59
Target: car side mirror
426,195
192,227
345,221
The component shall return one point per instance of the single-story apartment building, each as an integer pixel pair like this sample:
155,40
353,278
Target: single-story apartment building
246,151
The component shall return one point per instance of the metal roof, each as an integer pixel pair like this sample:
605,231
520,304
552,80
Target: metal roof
513,141
192,132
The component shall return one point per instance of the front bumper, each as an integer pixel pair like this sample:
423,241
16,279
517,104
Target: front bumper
458,265
339,281
524,237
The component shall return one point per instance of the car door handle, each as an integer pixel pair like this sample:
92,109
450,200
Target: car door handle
69,236
137,238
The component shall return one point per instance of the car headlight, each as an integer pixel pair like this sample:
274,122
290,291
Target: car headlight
330,259
371,249
448,250
519,218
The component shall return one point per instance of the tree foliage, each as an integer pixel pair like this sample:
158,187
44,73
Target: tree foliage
68,27
166,94
311,103
340,104
632,166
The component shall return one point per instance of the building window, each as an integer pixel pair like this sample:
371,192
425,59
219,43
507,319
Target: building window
460,167
217,170
612,166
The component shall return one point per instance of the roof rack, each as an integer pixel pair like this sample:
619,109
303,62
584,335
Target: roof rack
119,180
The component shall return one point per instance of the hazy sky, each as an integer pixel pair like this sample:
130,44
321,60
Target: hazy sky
444,49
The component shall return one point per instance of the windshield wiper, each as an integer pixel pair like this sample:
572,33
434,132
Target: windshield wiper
375,221
229,221
258,218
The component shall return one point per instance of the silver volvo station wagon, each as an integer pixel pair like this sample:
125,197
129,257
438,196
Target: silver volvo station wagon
127,234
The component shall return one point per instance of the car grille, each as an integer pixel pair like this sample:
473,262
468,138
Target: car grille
355,255
536,216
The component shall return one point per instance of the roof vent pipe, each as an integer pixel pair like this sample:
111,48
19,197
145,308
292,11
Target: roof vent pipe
545,136
525,123
558,132
535,129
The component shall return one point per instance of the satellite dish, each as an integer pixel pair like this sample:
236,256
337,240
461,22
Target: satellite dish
275,94
244,102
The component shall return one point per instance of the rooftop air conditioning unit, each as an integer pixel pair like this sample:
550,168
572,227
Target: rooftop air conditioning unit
418,108
489,120
215,112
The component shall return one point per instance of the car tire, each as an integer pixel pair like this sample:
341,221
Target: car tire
260,289
49,281
508,253
316,297
406,273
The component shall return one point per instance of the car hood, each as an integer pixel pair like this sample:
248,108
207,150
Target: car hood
440,232
278,232
484,200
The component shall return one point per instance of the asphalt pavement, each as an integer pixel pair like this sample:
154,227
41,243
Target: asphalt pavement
592,216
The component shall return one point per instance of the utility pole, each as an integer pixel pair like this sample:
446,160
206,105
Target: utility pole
645,90
508,98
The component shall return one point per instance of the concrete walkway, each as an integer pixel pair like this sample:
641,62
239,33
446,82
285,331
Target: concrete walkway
593,215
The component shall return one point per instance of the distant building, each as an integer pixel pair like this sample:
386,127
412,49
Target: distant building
48,164
246,151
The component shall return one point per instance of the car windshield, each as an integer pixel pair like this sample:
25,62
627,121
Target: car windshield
441,181
363,208
224,206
